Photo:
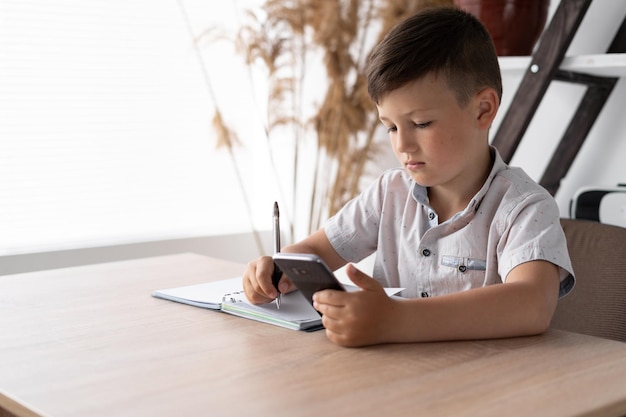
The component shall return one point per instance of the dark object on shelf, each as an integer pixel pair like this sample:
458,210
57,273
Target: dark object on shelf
514,25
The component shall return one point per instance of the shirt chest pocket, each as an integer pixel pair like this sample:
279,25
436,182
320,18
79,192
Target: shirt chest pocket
464,265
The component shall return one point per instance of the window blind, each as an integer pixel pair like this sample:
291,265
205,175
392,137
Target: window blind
105,132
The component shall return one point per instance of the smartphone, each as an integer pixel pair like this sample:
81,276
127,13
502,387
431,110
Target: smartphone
308,272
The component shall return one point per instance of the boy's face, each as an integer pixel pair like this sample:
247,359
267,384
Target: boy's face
438,141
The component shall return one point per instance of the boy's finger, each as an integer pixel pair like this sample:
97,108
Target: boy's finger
331,297
361,279
286,285
264,271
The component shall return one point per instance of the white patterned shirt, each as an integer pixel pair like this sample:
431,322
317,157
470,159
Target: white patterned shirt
511,220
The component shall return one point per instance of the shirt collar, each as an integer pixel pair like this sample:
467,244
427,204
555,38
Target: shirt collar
420,194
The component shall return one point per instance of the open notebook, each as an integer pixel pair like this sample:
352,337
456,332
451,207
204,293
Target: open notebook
227,295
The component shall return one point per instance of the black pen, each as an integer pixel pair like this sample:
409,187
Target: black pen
277,274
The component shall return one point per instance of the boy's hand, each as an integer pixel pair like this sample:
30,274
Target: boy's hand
257,281
356,318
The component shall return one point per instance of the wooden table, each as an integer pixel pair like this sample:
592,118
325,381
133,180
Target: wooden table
91,341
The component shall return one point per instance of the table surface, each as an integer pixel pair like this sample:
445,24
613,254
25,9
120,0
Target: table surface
91,341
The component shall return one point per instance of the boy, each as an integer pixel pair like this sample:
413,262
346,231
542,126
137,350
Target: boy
477,244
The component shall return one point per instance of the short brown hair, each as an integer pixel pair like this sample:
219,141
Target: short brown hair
446,41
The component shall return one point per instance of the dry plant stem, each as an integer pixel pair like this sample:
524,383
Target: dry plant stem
225,136
300,52
352,171
345,122
273,164
333,134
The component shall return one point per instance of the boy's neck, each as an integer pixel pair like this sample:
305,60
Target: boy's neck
447,201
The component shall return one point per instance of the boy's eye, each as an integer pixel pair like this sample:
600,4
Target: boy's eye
422,125
391,129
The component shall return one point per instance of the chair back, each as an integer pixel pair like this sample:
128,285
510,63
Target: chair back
597,304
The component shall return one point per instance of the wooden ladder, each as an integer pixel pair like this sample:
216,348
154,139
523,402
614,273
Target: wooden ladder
543,69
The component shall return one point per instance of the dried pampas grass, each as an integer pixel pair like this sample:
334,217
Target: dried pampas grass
283,36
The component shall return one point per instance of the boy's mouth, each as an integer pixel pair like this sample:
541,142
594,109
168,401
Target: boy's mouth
413,165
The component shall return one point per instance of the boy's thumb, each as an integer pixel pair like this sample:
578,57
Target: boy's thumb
360,279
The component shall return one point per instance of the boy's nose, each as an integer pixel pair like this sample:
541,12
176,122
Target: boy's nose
406,141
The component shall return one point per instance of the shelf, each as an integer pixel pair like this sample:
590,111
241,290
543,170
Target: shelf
605,65
598,73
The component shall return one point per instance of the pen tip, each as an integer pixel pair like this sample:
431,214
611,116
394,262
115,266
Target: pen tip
275,208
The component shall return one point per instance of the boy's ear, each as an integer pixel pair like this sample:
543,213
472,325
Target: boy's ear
488,103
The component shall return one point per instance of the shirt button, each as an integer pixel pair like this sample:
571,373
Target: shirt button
424,294
431,215
462,268
426,252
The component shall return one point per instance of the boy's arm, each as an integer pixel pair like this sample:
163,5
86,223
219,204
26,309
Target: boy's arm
257,278
318,244
524,305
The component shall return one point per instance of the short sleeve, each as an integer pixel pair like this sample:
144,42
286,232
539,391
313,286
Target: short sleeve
353,231
533,233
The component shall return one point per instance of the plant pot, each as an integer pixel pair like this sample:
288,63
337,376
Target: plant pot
514,25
